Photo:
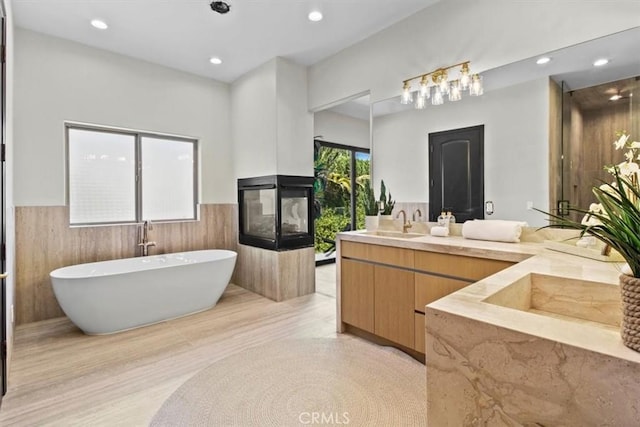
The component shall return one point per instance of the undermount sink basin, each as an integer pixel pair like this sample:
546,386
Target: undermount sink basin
563,298
397,234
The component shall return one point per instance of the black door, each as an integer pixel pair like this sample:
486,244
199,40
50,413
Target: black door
456,173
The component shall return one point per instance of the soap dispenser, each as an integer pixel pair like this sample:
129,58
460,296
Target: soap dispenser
442,220
451,217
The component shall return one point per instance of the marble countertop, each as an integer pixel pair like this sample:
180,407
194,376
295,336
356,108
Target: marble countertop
531,258
455,245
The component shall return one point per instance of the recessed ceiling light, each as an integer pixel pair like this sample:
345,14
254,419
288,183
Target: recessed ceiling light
600,62
315,16
215,60
543,60
99,24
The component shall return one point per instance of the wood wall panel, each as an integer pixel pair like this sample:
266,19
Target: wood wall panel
555,144
44,242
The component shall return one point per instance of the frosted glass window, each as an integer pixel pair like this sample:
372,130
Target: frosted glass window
124,177
102,180
167,179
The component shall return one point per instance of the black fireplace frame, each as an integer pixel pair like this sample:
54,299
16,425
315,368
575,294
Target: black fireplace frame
280,183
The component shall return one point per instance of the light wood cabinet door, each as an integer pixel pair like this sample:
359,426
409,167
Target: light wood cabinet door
463,267
419,333
356,304
394,294
430,288
389,255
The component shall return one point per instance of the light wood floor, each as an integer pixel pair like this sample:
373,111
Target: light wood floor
61,377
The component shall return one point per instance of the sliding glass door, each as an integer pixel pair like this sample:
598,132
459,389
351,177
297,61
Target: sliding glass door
340,173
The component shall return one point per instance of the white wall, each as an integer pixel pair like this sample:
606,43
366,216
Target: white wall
489,33
272,128
253,122
58,80
516,154
295,122
341,129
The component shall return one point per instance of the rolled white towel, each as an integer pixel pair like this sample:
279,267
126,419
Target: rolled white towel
493,230
439,231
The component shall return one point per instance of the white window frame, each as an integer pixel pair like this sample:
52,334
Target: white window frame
138,135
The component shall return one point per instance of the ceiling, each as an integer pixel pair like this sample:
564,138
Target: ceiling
185,34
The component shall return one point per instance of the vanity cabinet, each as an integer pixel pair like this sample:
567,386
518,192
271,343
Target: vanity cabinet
393,302
377,291
384,289
356,294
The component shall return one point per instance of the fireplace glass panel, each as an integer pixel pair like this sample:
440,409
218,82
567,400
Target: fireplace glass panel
260,210
295,212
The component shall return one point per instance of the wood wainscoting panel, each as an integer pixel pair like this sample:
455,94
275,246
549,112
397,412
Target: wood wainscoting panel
45,242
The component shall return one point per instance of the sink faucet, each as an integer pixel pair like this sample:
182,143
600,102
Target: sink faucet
417,211
405,224
144,237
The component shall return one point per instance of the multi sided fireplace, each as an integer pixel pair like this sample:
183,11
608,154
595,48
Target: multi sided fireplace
276,211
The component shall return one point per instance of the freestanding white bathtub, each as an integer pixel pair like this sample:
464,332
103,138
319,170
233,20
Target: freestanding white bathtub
113,296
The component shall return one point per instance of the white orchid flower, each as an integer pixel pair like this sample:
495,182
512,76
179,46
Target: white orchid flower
629,155
635,145
596,207
621,142
606,188
628,168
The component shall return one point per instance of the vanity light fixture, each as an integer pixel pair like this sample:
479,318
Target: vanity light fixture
600,62
543,60
615,97
315,16
476,85
455,91
215,60
406,97
451,81
99,24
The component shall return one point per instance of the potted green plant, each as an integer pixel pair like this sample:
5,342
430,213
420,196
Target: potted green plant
371,206
386,202
615,221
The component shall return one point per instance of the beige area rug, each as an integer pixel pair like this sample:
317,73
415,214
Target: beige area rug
315,381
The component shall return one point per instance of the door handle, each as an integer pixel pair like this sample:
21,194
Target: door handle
4,275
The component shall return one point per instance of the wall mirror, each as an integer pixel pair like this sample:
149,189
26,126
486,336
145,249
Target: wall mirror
540,128
341,168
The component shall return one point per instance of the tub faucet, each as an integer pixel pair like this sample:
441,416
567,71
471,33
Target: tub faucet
405,224
144,238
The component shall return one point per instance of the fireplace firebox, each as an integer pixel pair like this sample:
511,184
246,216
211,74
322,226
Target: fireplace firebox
276,212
